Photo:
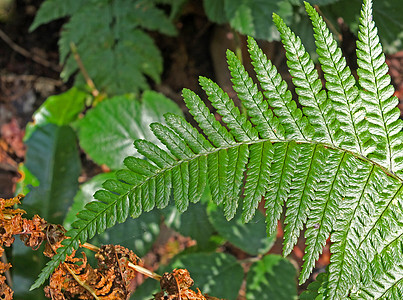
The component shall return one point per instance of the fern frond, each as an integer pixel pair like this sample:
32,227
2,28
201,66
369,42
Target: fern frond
240,127
192,137
266,124
154,153
238,158
279,97
302,185
377,94
180,183
322,167
317,107
172,141
258,175
386,272
342,274
197,143
217,175
215,132
323,207
341,87
282,170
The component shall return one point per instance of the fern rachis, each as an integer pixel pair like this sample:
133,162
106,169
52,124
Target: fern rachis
320,162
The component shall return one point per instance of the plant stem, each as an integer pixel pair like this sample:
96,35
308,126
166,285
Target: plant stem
83,70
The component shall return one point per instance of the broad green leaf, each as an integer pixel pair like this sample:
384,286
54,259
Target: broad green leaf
252,17
84,195
215,11
250,237
193,222
60,109
272,277
216,274
53,158
121,119
314,291
26,265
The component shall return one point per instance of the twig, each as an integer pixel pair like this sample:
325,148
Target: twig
90,247
145,271
83,70
28,54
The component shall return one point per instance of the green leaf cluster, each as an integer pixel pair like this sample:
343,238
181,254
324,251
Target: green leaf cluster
53,165
113,45
335,165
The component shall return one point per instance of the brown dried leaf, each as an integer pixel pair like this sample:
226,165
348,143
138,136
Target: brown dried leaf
5,291
176,285
75,278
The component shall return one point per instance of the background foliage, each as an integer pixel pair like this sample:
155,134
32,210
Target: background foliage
118,34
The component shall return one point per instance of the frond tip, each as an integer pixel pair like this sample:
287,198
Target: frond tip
319,162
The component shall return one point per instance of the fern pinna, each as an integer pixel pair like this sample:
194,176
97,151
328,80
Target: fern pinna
336,165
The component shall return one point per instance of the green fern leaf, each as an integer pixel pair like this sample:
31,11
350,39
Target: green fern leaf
258,176
282,168
198,178
154,153
340,84
116,186
238,158
240,128
215,132
180,183
342,276
323,206
302,185
217,175
172,141
191,136
267,125
317,108
377,94
275,89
